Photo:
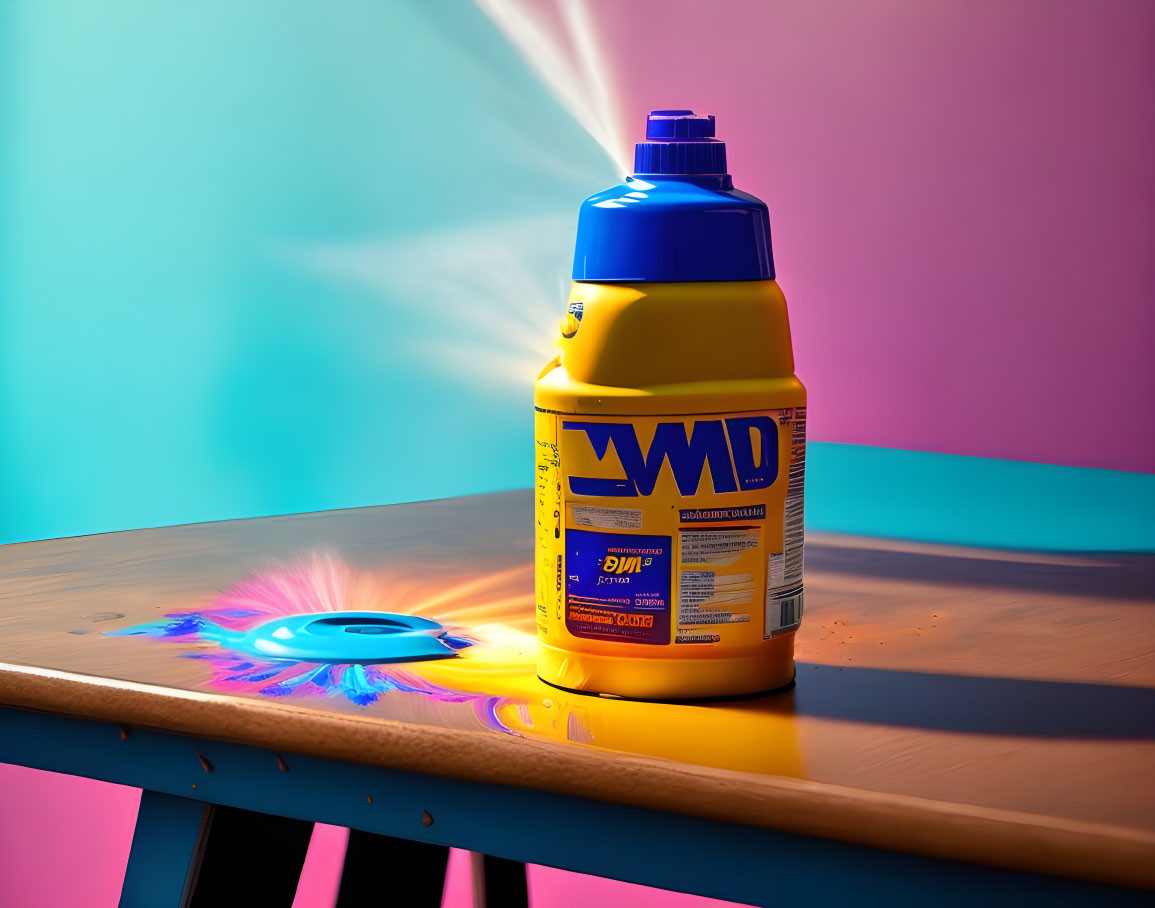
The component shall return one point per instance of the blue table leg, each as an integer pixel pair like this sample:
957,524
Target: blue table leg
167,848
189,854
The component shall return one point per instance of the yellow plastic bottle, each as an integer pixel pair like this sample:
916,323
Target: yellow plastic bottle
670,436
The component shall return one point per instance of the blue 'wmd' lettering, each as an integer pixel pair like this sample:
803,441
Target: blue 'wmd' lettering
687,456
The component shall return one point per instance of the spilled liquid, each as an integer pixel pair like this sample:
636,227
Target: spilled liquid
490,683
318,583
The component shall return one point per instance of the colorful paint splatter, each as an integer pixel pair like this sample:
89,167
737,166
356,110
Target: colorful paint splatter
319,583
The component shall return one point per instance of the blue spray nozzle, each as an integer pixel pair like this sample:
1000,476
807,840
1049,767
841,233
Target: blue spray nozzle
679,142
678,124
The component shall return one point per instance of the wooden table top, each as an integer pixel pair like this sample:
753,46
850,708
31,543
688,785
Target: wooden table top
989,706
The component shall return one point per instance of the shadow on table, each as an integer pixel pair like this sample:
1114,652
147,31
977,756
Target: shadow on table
956,703
1124,575
979,705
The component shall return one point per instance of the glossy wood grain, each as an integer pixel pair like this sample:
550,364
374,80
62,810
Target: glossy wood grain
981,705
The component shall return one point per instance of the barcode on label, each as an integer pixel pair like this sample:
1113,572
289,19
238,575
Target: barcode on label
792,522
783,612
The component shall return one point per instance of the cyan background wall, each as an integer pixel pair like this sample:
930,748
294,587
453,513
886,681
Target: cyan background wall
249,251
247,247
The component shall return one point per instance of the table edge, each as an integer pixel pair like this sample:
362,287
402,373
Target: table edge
1014,840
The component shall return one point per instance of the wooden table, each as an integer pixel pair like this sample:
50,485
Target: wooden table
966,723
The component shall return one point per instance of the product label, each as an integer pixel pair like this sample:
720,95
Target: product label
719,574
670,530
618,586
783,611
548,521
718,515
784,568
733,454
610,518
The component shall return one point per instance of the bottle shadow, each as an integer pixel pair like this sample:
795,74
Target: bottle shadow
974,705
1115,575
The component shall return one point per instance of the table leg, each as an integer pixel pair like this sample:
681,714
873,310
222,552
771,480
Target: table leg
384,872
189,854
167,848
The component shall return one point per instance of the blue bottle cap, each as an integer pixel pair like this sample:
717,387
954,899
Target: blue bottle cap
679,218
679,141
673,124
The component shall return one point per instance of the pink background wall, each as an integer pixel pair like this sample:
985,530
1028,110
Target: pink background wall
963,204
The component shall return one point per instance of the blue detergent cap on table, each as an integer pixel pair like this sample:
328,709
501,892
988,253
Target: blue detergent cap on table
678,218
349,637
